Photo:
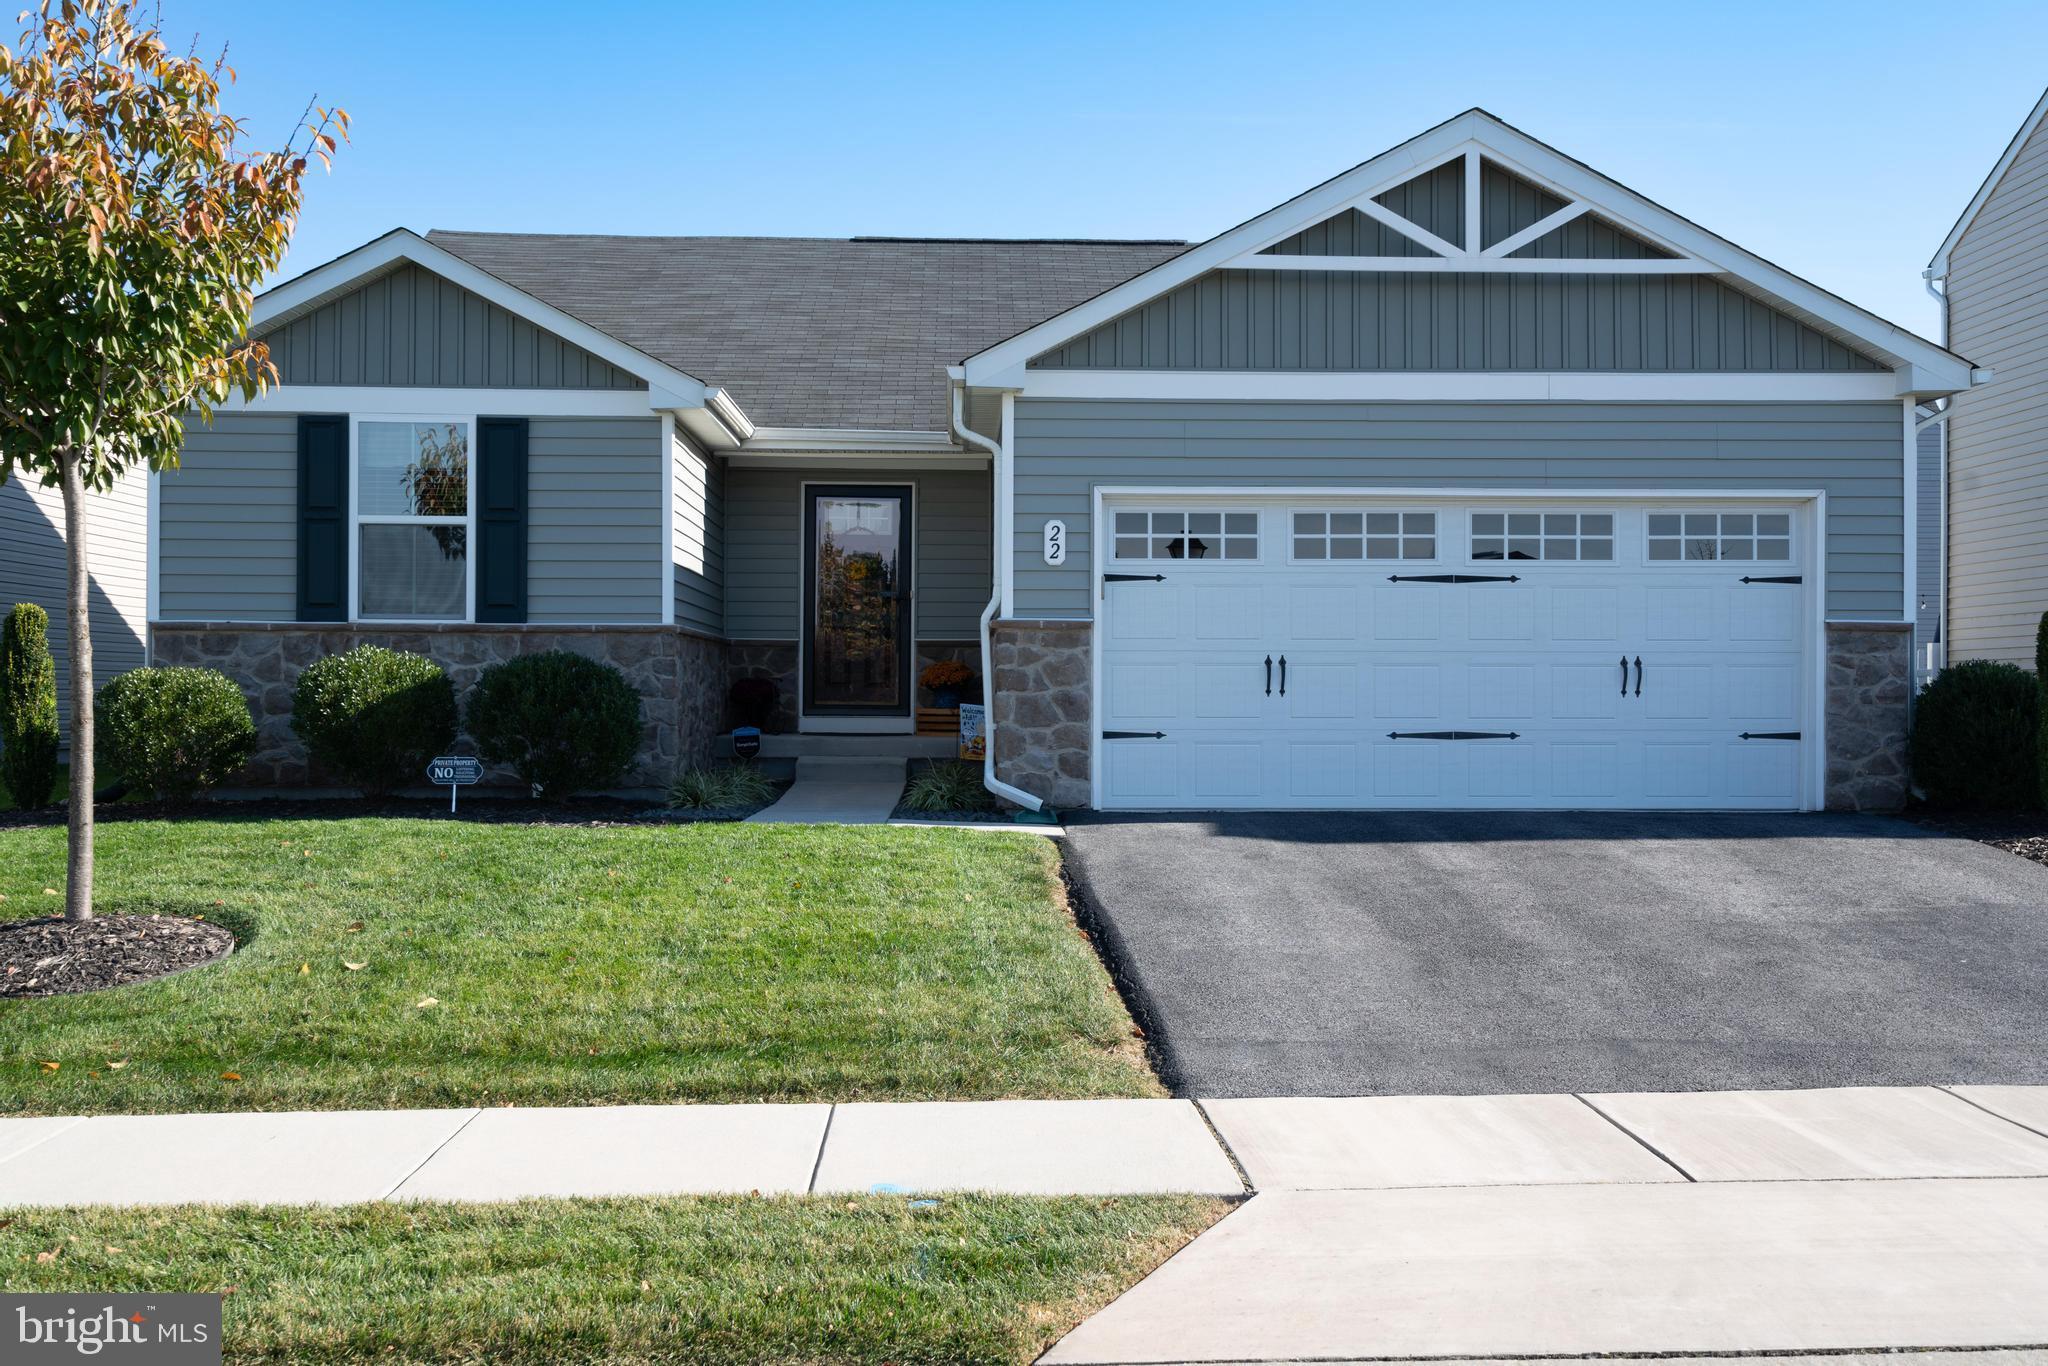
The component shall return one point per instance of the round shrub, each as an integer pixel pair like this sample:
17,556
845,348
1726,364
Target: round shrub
563,723
374,716
173,733
1975,732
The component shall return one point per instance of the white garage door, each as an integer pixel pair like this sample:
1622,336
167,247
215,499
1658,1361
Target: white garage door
1324,652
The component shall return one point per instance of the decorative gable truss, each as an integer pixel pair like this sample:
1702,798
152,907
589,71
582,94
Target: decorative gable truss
1468,212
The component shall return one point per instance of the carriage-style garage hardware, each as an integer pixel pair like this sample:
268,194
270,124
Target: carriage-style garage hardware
1454,578
1770,735
1134,735
1134,578
1283,675
1454,735
1269,675
1639,675
1777,578
1624,675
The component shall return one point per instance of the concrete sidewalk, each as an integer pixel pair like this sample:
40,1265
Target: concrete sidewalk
830,790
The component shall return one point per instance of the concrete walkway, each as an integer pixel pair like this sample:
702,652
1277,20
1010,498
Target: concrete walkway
839,791
1439,1227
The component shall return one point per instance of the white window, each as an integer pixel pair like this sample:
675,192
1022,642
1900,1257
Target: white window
1542,535
412,519
1720,536
1186,536
1364,535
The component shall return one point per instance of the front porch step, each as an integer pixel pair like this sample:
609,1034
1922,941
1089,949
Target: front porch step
851,746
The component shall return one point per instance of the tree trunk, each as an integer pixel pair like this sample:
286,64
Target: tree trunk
78,870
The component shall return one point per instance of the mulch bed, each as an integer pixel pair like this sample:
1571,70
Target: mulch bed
2017,832
55,957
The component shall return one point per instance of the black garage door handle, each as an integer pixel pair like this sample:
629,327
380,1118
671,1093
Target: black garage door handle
1269,675
1639,675
1283,675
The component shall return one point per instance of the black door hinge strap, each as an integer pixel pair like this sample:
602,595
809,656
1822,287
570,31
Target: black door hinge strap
1454,735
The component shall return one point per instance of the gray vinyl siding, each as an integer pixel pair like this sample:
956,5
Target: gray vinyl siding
414,328
1065,448
594,548
1998,434
1927,554
33,569
228,521
1371,320
764,549
698,550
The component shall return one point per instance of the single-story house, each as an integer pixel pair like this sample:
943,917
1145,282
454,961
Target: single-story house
1992,278
1467,478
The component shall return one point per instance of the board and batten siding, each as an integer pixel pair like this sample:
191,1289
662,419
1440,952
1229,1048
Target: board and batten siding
764,548
1998,433
1065,448
411,327
227,536
698,550
33,569
593,521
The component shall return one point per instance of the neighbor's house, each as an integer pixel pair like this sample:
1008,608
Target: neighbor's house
32,569
1467,478
1993,272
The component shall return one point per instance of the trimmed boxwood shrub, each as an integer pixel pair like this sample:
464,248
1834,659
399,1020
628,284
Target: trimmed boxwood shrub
562,722
1976,729
28,706
173,732
375,716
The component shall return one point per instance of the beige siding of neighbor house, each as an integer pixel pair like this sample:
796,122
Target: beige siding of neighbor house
1998,435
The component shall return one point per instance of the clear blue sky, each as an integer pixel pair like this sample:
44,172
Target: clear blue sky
1839,140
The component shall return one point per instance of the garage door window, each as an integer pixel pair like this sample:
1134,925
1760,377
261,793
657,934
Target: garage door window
1187,536
1364,535
1678,536
1543,536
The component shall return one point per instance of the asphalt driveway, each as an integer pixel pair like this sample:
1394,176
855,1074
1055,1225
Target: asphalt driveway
1476,953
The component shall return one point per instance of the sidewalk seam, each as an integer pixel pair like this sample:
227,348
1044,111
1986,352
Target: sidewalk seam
394,1187
1229,1152
1652,1148
76,1120
824,1135
1995,1114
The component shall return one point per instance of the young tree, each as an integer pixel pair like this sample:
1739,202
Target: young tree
134,227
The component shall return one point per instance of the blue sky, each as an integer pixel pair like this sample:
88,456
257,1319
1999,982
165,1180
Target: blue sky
1839,140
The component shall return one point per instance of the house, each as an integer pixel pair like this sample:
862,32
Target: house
1466,478
33,569
1992,278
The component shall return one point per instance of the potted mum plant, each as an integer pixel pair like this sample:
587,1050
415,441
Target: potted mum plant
947,679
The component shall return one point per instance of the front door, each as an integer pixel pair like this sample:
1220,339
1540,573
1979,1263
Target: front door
857,587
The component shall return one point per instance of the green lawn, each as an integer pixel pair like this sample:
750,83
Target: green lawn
874,1279
505,964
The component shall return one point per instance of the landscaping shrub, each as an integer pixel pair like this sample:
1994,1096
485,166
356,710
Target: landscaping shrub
28,706
1976,732
562,722
720,787
753,700
374,716
2041,686
173,732
949,786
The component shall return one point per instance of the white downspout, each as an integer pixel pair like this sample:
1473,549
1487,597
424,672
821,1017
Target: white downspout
988,658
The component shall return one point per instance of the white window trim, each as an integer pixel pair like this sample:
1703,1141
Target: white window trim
1472,536
357,520
1260,534
1294,562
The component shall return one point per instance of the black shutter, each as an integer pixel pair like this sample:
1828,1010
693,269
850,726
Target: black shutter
323,518
501,519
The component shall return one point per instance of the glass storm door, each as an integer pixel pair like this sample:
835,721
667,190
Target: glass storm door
857,579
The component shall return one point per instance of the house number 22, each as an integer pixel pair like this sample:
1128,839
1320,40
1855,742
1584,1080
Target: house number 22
1055,542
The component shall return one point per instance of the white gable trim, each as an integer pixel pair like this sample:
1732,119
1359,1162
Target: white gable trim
1938,267
670,386
1928,367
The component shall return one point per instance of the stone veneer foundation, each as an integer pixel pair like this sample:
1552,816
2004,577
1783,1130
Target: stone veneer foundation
1042,708
680,677
1869,690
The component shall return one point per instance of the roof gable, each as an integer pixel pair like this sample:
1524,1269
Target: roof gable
1646,239
1938,266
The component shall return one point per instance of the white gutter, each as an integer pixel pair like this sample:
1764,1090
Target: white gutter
997,470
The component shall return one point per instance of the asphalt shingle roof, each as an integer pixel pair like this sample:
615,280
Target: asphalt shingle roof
805,331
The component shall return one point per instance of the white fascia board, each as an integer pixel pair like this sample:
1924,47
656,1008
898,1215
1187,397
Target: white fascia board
307,292
846,439
1514,151
1938,266
343,398
901,461
1475,387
